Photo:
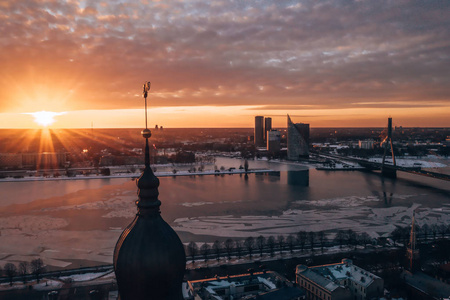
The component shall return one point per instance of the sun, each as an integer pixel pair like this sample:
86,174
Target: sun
45,118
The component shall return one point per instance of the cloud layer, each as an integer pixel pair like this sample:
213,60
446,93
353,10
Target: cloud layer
75,55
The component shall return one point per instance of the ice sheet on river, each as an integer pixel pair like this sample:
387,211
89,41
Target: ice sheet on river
361,218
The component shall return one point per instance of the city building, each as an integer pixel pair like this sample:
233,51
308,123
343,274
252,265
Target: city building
269,284
259,131
10,160
419,285
297,140
43,160
273,141
338,281
267,127
366,144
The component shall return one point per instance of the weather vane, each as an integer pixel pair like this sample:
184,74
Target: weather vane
146,132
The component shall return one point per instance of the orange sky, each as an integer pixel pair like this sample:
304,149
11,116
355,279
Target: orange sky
220,63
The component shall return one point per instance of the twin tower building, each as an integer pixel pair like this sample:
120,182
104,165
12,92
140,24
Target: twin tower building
297,137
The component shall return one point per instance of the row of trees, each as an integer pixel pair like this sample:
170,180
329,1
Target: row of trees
35,267
259,245
424,232
307,240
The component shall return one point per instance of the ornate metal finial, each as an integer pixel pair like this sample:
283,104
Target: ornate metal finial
146,133
146,88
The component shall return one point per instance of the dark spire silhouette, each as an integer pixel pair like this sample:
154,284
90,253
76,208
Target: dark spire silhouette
149,258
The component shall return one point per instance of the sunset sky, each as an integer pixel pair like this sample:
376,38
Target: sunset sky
219,63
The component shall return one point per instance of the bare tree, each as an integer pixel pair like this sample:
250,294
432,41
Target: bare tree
364,239
301,239
238,246
204,249
10,271
24,268
290,242
396,234
271,244
322,239
229,245
280,240
260,242
425,230
216,247
249,244
37,267
442,230
312,239
351,238
434,230
405,235
192,250
340,237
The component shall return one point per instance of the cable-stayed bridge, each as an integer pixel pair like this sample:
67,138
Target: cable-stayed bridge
388,169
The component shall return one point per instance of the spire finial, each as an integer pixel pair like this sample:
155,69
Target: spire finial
146,133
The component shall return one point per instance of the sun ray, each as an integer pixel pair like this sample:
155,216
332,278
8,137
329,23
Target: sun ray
46,158
22,140
101,138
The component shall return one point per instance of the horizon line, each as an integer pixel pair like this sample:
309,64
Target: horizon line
140,128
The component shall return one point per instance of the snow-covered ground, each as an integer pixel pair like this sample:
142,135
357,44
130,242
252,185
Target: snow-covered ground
411,162
132,175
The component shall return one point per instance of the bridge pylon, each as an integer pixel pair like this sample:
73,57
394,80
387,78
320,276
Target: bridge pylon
389,170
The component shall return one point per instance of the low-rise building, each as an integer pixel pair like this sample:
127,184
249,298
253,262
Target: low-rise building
244,286
366,144
421,286
42,160
10,160
339,281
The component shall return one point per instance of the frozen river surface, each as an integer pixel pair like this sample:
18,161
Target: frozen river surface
75,223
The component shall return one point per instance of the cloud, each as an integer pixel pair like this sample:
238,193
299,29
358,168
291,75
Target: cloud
327,54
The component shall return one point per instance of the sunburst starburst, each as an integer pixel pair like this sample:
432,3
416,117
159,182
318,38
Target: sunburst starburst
45,118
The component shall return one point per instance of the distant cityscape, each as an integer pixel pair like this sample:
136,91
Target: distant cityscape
95,149
411,262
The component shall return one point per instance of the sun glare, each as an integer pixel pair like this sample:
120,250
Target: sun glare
45,118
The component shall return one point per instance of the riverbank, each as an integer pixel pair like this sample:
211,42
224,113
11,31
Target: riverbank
135,175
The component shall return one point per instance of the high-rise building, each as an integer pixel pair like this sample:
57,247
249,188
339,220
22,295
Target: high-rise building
297,140
273,141
259,131
267,127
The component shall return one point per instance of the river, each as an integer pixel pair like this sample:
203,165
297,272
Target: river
70,223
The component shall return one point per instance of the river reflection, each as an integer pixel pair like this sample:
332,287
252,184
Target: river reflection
298,178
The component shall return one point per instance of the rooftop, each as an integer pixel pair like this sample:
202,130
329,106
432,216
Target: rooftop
214,286
331,276
427,284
